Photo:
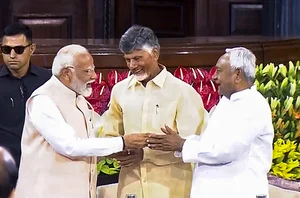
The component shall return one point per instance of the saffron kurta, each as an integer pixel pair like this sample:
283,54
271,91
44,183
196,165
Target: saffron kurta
165,100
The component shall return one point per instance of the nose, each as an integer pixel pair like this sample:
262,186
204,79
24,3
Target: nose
12,54
132,64
94,75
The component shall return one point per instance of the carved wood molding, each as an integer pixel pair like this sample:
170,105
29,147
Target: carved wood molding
187,52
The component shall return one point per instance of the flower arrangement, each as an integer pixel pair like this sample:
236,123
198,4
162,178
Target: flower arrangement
286,163
281,87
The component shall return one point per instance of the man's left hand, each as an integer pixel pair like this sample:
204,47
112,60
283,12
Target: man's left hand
129,157
169,142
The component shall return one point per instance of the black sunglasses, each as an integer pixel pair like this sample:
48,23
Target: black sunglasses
18,49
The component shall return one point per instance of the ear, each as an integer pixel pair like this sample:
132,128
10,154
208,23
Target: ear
238,75
155,54
32,48
66,74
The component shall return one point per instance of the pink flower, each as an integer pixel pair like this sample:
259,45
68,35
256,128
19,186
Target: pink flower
113,77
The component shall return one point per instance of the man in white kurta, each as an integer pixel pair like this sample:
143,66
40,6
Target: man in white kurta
233,155
59,147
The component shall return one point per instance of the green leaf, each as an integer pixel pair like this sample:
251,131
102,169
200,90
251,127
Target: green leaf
109,171
116,164
109,161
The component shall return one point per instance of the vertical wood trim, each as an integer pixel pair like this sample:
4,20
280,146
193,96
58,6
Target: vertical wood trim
91,18
201,17
111,18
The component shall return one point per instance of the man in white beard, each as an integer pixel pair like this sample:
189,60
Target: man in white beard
59,148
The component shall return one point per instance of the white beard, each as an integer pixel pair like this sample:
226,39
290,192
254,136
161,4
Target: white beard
81,88
141,77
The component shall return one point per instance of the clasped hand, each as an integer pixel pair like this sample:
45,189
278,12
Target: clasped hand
169,141
134,143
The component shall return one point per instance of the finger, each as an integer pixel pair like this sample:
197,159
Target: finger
148,134
126,157
125,162
170,130
155,146
165,131
115,155
154,141
156,136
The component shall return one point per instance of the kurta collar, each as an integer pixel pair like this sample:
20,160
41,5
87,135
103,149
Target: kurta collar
240,94
159,80
65,90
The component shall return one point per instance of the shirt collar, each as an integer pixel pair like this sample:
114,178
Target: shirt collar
4,71
240,94
32,69
159,80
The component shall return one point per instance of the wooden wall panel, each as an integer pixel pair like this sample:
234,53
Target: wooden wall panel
168,18
48,27
246,19
111,18
123,18
228,17
55,18
4,13
169,14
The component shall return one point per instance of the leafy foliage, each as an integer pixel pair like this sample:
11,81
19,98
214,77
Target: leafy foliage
281,87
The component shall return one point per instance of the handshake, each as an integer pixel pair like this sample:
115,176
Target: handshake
169,141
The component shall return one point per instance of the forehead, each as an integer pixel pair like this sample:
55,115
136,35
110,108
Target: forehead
14,40
84,60
135,53
223,62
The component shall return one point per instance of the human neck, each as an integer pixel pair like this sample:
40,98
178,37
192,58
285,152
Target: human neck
20,72
157,70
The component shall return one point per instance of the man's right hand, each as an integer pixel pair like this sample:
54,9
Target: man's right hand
136,140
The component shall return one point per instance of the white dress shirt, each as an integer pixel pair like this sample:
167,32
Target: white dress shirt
234,154
49,122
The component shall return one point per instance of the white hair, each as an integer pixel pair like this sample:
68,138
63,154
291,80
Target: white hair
147,48
65,57
244,59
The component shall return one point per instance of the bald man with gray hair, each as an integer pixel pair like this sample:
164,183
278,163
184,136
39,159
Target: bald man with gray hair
59,143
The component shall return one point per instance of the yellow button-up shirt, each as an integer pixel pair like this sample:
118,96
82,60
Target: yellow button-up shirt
166,100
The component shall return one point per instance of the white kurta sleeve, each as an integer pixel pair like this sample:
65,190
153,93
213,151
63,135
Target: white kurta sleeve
47,119
233,139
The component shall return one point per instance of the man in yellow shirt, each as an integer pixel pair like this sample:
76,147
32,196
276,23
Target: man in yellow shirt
144,102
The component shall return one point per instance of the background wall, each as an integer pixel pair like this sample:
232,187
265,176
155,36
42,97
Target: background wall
67,19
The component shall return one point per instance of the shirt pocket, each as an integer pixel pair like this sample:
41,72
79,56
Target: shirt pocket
164,115
10,110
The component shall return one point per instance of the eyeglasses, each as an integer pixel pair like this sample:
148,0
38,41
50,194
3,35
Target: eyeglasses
88,72
18,49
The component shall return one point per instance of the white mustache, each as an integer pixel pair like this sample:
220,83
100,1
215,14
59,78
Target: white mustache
90,82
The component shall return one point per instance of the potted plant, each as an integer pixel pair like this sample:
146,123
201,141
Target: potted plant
107,169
